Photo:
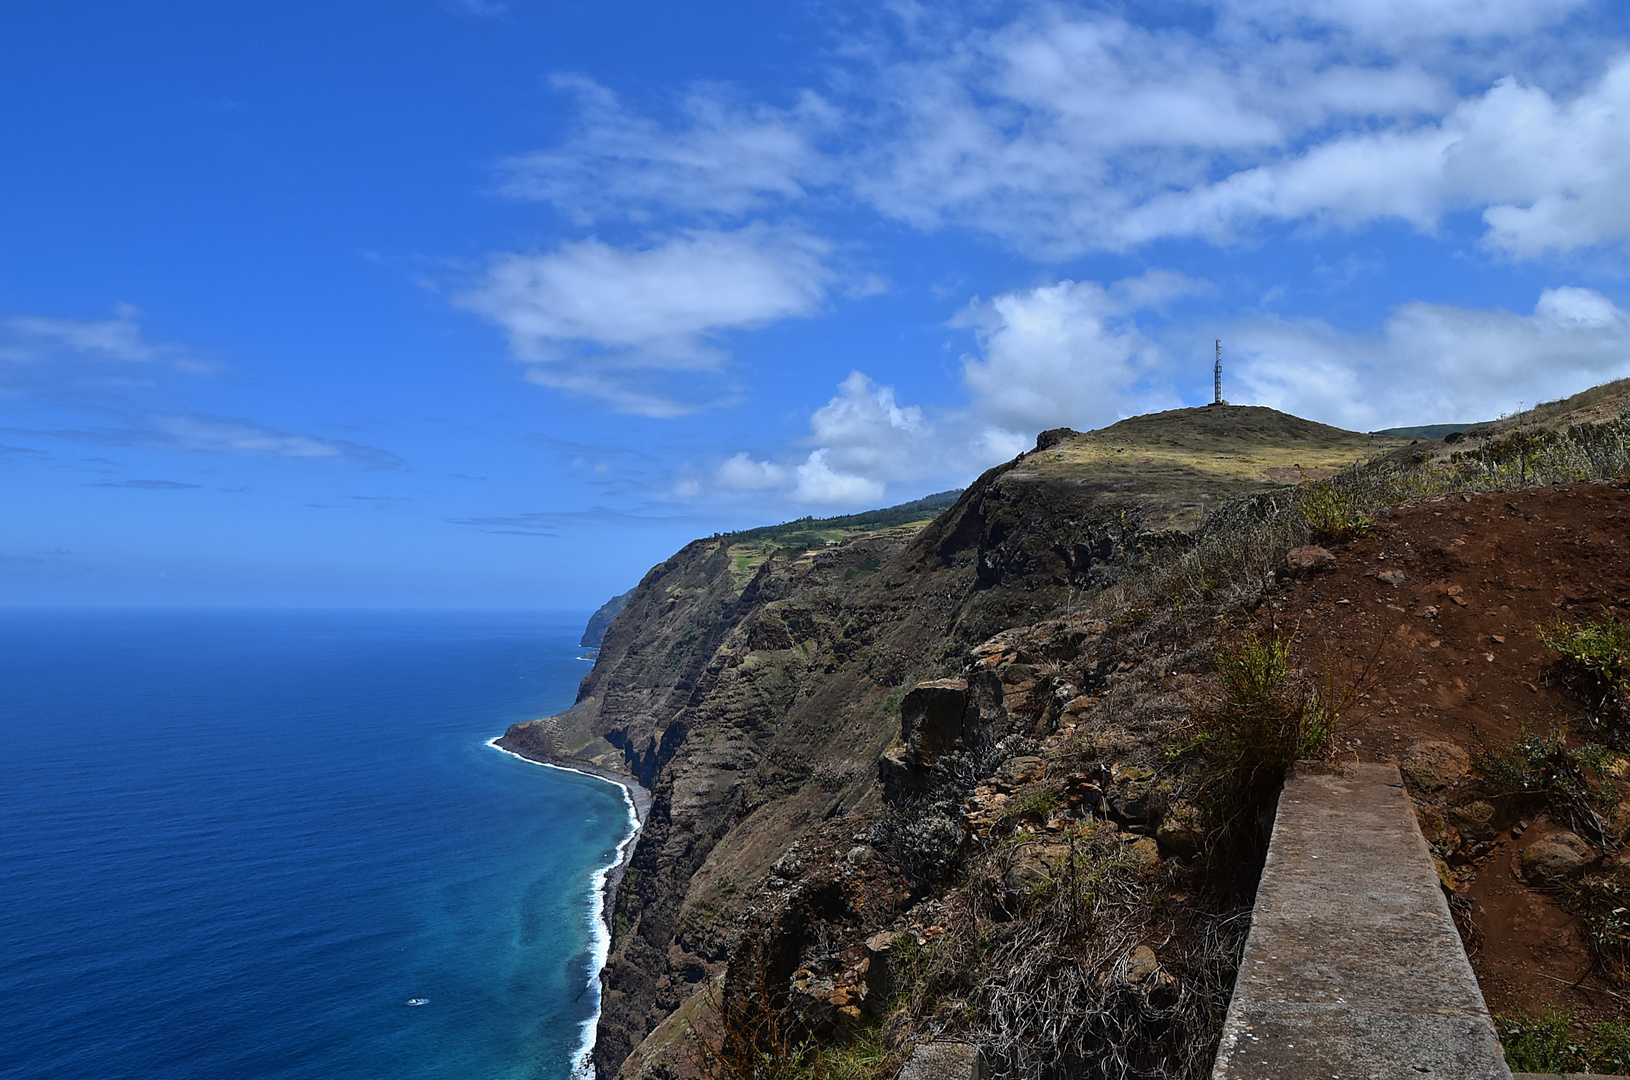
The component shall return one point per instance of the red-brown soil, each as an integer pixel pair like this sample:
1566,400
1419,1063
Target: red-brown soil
1451,653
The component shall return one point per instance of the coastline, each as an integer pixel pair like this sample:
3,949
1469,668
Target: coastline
603,890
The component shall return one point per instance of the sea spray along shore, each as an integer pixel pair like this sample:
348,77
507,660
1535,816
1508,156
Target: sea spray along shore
603,888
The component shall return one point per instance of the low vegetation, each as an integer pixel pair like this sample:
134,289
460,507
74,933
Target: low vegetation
1241,543
1603,904
1545,770
1266,717
1555,1043
1593,661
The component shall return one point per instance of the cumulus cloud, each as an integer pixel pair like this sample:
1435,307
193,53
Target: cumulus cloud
1435,362
1064,355
863,440
607,321
720,155
742,473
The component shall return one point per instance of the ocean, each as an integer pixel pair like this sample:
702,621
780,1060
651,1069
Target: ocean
238,844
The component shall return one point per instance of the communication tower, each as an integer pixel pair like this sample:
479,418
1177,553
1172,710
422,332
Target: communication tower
1216,378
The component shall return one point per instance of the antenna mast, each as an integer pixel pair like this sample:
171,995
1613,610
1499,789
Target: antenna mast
1216,374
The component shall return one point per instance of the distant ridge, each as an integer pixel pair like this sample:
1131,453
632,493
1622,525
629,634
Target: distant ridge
1431,431
929,506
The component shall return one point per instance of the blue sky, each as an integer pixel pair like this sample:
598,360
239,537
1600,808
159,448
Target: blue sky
442,303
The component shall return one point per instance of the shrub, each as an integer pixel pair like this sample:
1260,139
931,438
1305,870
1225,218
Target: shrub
1333,513
1594,658
1603,903
1542,767
1539,1044
1265,718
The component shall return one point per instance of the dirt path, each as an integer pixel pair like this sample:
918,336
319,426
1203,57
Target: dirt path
1441,607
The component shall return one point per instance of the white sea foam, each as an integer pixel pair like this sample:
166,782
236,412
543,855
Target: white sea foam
599,927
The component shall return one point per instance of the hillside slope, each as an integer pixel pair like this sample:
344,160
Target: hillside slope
753,690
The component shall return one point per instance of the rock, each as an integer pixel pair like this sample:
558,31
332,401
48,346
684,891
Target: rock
1145,852
1179,833
1555,858
860,855
1391,577
945,1061
1020,770
1034,868
1302,561
1474,820
1433,766
900,773
1143,964
931,717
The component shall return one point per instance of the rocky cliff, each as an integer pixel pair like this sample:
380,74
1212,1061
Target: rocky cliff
757,688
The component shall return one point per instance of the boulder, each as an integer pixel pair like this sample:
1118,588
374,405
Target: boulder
900,773
1474,820
1146,853
1020,770
1179,833
1432,766
931,717
1555,858
1301,561
1143,964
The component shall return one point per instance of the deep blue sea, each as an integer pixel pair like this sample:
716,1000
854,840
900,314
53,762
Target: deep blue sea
236,844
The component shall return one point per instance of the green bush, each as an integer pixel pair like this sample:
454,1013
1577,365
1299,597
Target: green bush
1544,768
1603,903
1333,513
1594,656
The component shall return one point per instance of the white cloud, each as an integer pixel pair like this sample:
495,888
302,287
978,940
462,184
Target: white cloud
1434,363
863,431
723,156
1064,355
1063,131
1398,21
608,321
106,344
820,484
742,473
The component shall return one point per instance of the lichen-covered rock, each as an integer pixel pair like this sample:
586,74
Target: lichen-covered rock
1475,820
1433,766
1180,833
1555,858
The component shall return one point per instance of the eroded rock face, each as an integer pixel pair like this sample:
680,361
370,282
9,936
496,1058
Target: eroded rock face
931,717
751,695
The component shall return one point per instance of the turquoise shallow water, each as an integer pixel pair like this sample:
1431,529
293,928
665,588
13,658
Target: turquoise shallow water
237,844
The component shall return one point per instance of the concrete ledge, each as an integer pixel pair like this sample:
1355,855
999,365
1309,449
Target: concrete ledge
1353,967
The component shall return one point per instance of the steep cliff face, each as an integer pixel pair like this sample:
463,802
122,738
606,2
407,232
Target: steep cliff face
755,696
